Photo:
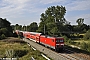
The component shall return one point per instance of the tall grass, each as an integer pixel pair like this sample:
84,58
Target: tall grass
18,49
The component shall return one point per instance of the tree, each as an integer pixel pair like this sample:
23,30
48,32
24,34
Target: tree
17,27
24,28
80,21
54,31
5,27
4,31
54,15
33,27
41,28
81,27
49,30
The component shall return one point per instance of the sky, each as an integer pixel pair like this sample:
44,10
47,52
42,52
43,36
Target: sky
24,12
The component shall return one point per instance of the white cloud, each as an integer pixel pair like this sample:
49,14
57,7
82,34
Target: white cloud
51,1
21,9
18,2
79,5
12,7
86,18
73,19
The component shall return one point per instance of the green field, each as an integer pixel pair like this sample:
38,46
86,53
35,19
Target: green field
80,44
81,41
18,49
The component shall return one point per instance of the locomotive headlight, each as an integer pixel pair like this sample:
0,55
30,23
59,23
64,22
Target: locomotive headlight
62,44
57,44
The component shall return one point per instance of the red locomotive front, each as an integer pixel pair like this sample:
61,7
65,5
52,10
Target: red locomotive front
56,43
59,43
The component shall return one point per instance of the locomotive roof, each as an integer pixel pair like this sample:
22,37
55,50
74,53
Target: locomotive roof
51,36
35,33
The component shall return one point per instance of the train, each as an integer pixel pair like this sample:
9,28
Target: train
55,43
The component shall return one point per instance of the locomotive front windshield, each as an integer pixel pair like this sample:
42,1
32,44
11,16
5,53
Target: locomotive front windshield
59,40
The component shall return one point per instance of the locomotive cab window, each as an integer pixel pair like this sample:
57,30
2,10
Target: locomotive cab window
59,40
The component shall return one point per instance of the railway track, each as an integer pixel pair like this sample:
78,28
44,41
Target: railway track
80,55
67,55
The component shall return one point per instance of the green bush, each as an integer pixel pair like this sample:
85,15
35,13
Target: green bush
2,36
20,53
87,35
65,38
77,43
69,41
72,42
88,48
85,46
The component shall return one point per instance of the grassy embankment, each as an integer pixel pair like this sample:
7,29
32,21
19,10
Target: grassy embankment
79,43
18,49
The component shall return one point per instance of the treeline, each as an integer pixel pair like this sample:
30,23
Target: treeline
32,27
53,22
70,31
5,28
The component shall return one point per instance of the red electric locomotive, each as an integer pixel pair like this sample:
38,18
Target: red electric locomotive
56,43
